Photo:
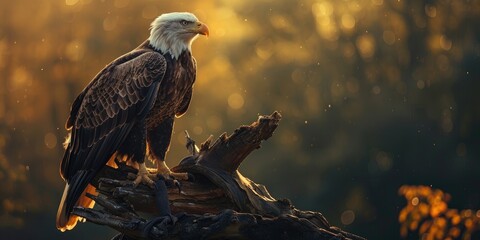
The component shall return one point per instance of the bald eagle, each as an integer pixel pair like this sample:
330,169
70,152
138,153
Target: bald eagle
128,109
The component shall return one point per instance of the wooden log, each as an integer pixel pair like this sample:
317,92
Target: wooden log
220,204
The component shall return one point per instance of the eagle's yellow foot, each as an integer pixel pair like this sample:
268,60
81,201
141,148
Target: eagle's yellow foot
144,176
163,169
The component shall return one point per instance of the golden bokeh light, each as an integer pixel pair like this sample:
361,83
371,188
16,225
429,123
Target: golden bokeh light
347,217
353,86
214,123
21,78
109,23
264,48
389,37
376,90
121,3
197,130
431,10
348,21
323,8
235,101
366,45
445,43
415,201
74,50
71,2
377,2
349,50
50,140
326,25
420,84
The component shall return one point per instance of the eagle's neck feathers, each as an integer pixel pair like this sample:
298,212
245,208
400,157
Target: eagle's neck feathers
167,41
172,33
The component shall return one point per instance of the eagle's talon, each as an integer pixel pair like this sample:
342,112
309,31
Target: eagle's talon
169,181
179,176
163,169
144,177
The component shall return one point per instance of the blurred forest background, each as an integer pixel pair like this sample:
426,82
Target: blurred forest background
375,94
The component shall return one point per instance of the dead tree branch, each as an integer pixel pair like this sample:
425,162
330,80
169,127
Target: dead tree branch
220,204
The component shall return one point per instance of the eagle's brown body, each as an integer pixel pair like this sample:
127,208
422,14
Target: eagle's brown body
176,93
130,104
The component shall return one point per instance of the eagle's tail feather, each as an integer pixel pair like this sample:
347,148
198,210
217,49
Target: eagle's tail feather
65,220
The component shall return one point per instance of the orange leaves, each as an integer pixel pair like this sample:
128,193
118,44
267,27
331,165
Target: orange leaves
427,211
437,208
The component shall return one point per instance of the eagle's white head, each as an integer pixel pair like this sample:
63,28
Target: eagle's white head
174,32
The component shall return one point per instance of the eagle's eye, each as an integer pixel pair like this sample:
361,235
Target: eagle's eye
184,22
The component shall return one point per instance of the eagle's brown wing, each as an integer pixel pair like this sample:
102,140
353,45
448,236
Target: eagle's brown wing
101,118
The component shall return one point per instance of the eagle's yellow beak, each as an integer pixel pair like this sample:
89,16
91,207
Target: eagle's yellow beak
201,28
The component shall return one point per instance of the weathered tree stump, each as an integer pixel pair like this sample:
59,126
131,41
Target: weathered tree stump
219,204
